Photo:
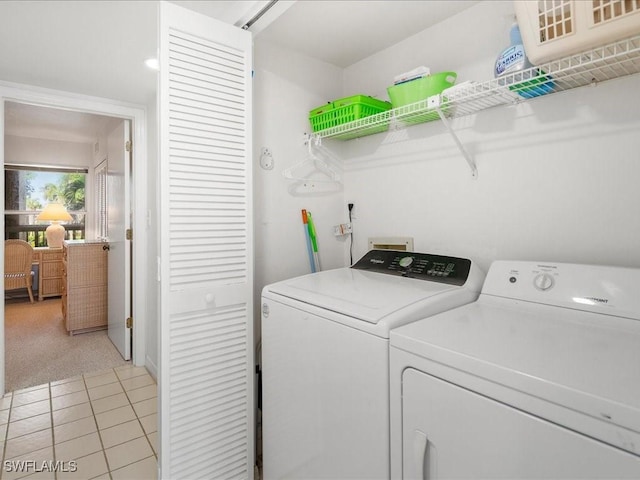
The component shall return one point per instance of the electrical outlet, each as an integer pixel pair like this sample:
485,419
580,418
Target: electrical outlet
342,229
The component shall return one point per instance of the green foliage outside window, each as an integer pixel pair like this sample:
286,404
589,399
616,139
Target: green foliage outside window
29,191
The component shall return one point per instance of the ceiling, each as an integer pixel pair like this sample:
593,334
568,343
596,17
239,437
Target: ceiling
343,32
98,47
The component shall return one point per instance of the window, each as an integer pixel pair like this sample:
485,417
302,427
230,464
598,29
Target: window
28,189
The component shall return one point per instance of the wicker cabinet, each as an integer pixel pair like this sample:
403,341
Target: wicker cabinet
84,297
50,271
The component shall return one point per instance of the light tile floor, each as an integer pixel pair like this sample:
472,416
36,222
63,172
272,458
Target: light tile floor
101,425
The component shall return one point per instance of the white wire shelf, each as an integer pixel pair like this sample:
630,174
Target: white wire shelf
596,65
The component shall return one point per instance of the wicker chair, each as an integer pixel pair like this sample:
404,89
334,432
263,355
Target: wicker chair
18,256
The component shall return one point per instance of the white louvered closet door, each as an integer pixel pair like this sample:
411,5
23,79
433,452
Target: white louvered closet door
206,339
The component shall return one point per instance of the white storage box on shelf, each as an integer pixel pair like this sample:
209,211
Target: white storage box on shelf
552,29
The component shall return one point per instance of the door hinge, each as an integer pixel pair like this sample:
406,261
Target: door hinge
128,145
129,234
129,322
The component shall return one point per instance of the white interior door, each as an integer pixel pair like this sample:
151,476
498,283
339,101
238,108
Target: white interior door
118,221
205,265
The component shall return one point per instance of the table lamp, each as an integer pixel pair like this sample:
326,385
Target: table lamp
55,213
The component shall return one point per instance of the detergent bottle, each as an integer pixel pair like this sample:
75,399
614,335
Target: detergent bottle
514,59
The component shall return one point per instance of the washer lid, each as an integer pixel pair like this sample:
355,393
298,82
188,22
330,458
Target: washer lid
364,295
583,361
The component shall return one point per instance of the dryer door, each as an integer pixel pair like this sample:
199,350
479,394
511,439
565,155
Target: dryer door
452,432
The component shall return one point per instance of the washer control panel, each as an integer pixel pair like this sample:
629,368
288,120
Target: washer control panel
423,266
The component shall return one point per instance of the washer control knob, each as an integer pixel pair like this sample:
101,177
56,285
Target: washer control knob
543,281
406,261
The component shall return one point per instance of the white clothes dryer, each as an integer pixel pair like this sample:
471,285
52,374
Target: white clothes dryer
539,378
325,359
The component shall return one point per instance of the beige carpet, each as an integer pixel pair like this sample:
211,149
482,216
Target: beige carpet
38,349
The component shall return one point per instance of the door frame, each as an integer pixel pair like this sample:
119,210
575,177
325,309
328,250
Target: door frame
100,106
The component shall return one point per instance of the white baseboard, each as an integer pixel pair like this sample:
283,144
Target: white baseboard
151,367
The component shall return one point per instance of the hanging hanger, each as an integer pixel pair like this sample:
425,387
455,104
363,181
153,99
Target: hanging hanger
313,188
305,170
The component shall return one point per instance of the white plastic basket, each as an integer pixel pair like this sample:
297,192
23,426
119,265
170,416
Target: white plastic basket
552,29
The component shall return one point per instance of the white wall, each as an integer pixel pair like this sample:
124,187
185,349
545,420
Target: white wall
557,174
36,151
286,87
467,43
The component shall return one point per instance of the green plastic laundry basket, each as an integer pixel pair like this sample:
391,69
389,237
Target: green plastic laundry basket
347,110
322,117
358,106
420,89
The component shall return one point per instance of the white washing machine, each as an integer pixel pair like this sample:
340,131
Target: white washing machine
325,359
537,379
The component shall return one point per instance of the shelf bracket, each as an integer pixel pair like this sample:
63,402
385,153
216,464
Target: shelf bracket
434,102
